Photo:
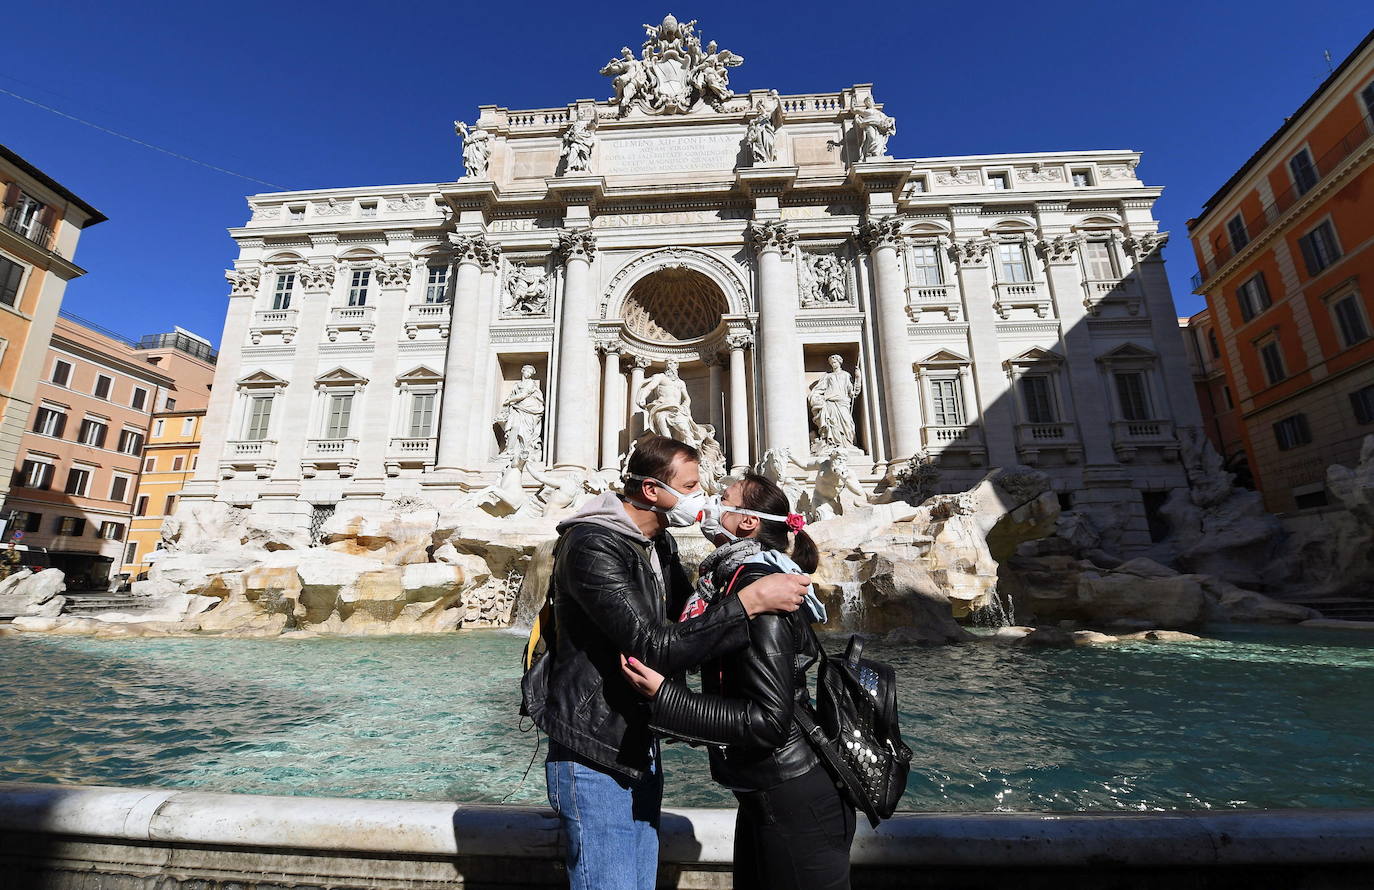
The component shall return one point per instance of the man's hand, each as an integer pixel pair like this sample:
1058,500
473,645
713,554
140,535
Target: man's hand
774,593
643,678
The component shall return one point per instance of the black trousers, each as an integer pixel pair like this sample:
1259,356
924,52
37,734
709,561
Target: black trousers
794,836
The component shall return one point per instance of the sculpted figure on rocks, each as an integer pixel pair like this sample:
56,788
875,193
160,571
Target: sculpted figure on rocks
667,407
834,489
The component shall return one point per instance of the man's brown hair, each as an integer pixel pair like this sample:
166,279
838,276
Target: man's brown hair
653,455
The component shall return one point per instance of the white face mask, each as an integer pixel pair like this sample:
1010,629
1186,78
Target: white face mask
688,509
711,515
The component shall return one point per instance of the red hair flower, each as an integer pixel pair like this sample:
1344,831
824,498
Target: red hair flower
795,522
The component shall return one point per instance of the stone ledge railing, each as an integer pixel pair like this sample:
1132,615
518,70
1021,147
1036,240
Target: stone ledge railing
60,836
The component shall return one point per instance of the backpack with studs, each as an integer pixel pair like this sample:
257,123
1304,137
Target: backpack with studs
854,729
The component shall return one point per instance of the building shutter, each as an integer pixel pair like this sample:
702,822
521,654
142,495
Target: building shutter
1309,256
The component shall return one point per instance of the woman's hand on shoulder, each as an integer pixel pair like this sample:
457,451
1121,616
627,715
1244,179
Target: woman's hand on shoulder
774,592
643,678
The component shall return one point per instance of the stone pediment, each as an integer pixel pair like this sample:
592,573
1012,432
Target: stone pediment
1036,355
260,378
340,377
945,357
1128,352
419,375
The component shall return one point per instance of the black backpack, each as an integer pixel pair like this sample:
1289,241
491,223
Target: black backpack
854,729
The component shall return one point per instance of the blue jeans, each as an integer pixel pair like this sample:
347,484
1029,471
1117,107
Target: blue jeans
610,822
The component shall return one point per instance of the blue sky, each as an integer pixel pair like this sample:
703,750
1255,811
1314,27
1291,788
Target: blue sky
313,95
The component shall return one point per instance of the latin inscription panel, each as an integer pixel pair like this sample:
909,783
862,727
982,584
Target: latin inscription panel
668,153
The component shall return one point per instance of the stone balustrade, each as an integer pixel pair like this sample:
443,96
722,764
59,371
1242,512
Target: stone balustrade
258,456
1128,436
414,452
1020,295
427,315
273,321
351,318
339,454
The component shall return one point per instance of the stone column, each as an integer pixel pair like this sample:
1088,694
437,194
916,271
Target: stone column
784,411
636,381
739,408
612,406
470,254
991,402
575,435
882,237
1092,415
373,421
1177,379
294,420
481,437
215,429
717,413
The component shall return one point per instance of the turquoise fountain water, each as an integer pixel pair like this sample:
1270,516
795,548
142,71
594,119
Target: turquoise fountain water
1256,718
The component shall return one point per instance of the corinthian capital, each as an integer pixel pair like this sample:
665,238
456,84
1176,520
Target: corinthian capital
393,274
243,282
876,233
317,277
474,249
772,236
970,251
741,340
1060,248
577,245
1146,246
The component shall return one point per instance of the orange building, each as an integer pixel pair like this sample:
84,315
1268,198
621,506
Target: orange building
79,461
169,461
1286,253
40,224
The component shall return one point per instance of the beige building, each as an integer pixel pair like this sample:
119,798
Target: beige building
40,224
79,460
169,460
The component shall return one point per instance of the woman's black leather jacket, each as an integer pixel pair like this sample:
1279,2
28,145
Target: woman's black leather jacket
747,700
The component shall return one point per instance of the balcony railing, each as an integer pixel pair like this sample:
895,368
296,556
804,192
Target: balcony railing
341,454
940,297
273,321
351,318
257,455
1097,291
1129,435
29,228
937,439
409,452
1019,295
1032,438
428,315
1258,224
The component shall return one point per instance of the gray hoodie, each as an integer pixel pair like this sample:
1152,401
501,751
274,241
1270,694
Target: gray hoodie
608,511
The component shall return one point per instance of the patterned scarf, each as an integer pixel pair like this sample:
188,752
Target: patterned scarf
722,563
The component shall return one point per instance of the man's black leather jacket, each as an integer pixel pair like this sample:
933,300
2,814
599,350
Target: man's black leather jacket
747,700
607,600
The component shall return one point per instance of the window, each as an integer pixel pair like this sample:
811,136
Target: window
141,507
281,294
112,531
422,415
1292,432
1097,258
1253,297
1082,178
919,184
10,275
1131,393
436,287
130,442
131,553
925,266
999,182
169,404
29,522
1226,394
188,425
93,433
946,408
1362,401
1350,319
168,503
1304,172
36,474
340,413
195,459
1212,345
259,416
1013,259
1039,401
1367,94
296,212
1235,229
158,426
71,526
119,488
149,464
78,481
102,386
1319,248
140,398
1271,356
177,463
49,422
26,217
357,289
61,372
367,209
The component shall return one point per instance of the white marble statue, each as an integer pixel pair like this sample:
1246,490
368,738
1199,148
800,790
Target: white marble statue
875,128
831,400
667,407
508,495
578,141
673,73
823,280
522,416
630,79
528,287
476,149
762,132
773,466
710,77
835,488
